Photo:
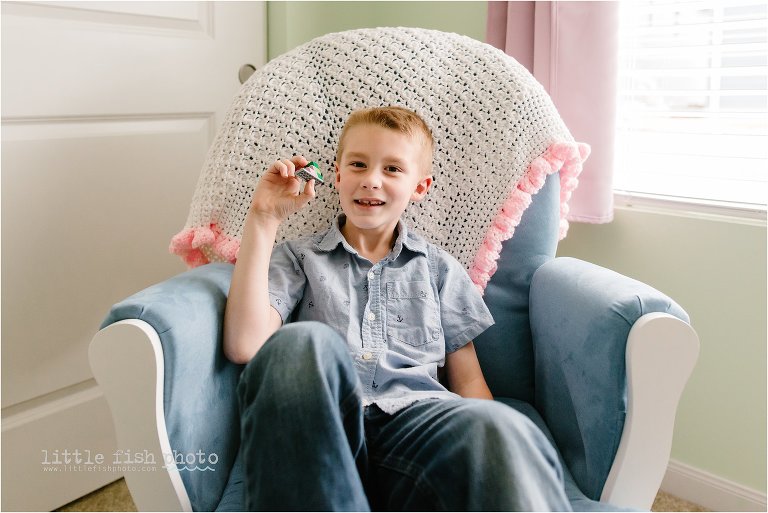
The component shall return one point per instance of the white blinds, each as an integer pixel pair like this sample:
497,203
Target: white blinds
693,100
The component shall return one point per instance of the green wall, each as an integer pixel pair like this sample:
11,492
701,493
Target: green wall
714,268
290,24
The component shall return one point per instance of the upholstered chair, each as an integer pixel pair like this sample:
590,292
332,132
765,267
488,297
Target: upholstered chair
597,360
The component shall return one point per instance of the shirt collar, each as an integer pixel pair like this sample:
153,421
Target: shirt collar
333,237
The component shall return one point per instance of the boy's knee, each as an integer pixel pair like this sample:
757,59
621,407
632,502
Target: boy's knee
517,468
298,338
296,356
503,430
491,414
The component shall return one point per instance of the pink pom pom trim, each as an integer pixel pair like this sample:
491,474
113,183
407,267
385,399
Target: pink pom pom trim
188,243
565,157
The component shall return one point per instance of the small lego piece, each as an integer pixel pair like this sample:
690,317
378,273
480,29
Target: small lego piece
311,172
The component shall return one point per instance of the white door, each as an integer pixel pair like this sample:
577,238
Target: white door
108,109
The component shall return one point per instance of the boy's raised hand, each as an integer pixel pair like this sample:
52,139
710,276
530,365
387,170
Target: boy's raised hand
277,194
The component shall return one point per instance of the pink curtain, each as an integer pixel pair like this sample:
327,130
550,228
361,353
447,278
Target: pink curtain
571,48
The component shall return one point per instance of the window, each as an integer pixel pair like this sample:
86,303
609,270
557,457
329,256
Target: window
693,101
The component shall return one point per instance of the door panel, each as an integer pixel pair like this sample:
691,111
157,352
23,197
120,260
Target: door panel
79,239
108,109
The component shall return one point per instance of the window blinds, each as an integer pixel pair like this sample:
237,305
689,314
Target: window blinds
693,101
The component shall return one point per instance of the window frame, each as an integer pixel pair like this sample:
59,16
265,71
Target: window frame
658,201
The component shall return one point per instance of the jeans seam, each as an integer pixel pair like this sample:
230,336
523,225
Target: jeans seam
355,395
414,471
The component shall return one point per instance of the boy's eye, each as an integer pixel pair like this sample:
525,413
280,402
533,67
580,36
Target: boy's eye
392,169
357,164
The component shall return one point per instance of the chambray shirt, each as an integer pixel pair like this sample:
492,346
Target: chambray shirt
399,316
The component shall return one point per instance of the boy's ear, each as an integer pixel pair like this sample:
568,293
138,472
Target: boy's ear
422,188
336,174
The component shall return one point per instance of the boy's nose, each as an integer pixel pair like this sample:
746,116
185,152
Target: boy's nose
371,181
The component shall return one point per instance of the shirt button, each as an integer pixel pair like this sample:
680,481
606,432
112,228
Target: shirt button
371,316
367,356
371,275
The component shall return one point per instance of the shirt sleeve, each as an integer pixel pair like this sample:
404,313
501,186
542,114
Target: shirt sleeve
462,310
286,280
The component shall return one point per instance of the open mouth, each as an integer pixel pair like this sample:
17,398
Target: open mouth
369,203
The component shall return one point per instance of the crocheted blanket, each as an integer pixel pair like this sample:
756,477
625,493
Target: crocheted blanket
497,136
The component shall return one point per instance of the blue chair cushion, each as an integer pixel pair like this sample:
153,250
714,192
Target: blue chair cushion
505,350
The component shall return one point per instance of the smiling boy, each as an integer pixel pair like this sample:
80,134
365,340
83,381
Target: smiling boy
342,408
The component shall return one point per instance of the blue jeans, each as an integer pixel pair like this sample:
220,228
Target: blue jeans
309,444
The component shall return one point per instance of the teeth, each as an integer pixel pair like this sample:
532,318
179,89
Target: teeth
370,202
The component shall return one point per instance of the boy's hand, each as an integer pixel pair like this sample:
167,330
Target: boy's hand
277,194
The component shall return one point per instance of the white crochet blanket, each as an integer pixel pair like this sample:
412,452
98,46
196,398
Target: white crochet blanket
497,136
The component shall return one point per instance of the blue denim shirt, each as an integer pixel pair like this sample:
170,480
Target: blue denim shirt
399,316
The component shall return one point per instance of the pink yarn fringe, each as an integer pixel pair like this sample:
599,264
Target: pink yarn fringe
565,157
188,243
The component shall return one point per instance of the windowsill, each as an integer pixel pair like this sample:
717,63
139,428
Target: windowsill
739,213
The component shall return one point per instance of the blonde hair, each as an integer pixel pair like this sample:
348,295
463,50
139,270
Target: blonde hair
394,118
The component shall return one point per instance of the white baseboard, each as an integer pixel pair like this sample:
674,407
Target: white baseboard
710,491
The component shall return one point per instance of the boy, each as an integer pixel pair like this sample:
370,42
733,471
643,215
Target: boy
343,410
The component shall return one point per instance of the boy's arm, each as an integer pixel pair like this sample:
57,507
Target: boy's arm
464,374
249,319
457,293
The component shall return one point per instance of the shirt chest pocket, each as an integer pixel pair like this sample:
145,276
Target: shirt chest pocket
412,313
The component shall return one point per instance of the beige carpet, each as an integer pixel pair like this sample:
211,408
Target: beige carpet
115,497
666,502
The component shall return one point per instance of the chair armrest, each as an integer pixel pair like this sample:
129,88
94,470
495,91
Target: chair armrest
661,353
581,317
199,383
127,361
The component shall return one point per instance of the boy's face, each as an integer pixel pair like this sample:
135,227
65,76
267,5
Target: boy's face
378,174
